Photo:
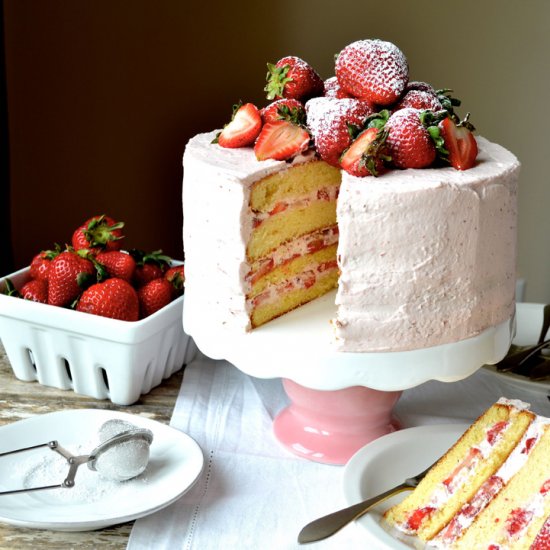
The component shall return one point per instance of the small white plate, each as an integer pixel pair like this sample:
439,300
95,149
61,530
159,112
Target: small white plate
387,462
529,323
175,463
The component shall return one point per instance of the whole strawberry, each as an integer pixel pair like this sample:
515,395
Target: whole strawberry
69,274
40,264
374,70
419,99
419,85
409,143
149,266
293,78
154,296
117,264
114,298
176,277
333,89
35,290
330,121
98,233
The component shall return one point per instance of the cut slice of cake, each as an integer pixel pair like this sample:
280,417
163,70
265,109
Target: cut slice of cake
490,491
515,515
459,474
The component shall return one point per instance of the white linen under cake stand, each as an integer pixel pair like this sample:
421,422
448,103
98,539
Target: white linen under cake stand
339,401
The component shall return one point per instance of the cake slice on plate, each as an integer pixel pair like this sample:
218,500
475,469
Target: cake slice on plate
490,490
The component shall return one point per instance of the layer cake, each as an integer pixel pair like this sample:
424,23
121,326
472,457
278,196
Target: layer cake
369,184
425,257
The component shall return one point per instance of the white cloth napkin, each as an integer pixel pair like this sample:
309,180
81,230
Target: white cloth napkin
253,493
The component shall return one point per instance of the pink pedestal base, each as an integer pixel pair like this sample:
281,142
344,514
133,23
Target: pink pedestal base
330,426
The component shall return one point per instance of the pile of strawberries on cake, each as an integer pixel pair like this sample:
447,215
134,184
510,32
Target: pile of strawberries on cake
367,119
94,275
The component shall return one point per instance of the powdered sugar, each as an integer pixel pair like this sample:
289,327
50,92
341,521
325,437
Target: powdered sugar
46,468
373,69
328,119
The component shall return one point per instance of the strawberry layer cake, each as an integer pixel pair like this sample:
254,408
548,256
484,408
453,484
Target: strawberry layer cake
490,491
368,183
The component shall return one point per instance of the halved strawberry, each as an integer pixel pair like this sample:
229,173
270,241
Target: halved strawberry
243,129
286,109
365,156
459,142
281,140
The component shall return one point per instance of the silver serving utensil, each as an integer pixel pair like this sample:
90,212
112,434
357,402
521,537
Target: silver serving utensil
330,524
93,460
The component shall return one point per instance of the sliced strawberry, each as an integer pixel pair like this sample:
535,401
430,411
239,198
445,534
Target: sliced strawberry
517,520
243,129
460,143
495,431
286,109
281,140
418,516
467,463
365,157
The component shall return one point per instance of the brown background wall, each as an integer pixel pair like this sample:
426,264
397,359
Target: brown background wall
104,94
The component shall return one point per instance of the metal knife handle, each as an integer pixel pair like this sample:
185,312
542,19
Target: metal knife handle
326,526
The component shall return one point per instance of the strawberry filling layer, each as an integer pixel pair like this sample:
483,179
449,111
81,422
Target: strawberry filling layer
308,244
456,479
305,279
485,494
324,194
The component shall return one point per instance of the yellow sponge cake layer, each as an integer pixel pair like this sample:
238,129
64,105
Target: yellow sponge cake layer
289,224
458,475
300,181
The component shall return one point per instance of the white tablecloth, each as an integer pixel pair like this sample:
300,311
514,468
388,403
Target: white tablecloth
253,493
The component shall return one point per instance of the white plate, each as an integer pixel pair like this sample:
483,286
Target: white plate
387,462
529,324
175,463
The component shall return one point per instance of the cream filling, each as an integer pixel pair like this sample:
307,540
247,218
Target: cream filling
306,279
513,464
461,475
329,193
296,248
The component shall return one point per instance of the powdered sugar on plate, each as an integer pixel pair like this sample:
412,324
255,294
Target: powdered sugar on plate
49,468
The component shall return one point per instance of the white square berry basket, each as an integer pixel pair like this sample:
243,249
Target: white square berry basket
92,355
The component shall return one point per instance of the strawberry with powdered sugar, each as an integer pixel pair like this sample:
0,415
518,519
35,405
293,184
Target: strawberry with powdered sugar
330,120
374,70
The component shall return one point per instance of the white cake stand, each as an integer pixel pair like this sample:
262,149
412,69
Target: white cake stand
339,401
